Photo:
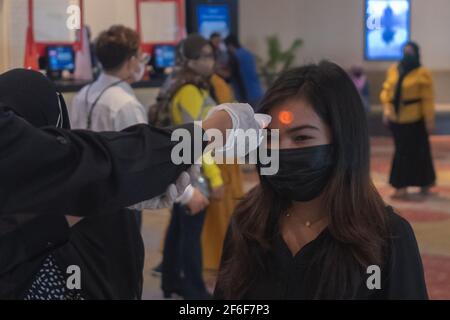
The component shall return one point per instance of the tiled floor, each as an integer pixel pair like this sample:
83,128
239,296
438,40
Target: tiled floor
430,220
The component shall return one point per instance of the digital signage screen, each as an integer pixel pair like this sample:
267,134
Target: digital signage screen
387,29
213,18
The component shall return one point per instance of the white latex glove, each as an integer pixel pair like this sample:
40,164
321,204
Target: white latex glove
243,118
166,200
197,202
186,196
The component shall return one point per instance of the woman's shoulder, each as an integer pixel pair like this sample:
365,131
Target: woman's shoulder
423,70
398,226
392,70
215,78
405,275
188,90
424,74
392,74
218,81
395,220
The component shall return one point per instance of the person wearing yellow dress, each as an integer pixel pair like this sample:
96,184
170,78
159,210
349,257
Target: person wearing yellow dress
220,210
182,255
409,112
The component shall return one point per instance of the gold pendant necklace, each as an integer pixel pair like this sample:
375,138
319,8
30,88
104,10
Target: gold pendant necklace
308,223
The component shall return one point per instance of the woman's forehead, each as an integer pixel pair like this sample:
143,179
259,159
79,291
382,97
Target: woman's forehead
293,113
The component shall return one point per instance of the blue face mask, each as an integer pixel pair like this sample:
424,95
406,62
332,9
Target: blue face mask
303,174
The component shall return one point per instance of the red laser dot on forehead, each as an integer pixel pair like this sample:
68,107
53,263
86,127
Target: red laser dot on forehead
286,117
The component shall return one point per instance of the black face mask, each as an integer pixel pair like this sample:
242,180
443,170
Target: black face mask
303,172
409,62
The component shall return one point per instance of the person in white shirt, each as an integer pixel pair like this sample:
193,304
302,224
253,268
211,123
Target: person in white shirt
109,104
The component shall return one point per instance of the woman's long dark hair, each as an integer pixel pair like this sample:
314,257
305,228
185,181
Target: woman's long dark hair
357,214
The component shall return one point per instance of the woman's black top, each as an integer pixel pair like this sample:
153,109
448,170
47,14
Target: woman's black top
288,277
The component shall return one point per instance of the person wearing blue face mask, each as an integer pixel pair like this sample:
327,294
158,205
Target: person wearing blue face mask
110,104
315,228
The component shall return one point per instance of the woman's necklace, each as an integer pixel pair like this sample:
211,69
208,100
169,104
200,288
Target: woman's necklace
307,223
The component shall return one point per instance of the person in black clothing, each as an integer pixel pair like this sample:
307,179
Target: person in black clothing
318,229
409,112
108,248
50,173
34,232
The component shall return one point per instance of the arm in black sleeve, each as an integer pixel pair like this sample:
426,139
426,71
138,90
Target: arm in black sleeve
406,279
80,172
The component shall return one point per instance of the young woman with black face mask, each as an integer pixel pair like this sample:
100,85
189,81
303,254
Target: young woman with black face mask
318,228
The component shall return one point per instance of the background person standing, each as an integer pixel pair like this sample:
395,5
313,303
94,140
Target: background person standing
409,111
244,74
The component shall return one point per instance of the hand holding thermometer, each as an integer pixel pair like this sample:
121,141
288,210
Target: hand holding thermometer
246,135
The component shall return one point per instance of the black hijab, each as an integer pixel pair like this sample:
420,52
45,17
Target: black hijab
33,97
408,63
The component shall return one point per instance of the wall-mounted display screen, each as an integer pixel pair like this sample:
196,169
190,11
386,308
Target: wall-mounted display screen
164,56
213,18
387,29
61,58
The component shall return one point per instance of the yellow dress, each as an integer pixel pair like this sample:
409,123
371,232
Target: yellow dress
219,212
417,85
193,104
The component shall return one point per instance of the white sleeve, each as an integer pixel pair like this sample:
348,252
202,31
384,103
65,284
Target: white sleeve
131,114
148,204
156,203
